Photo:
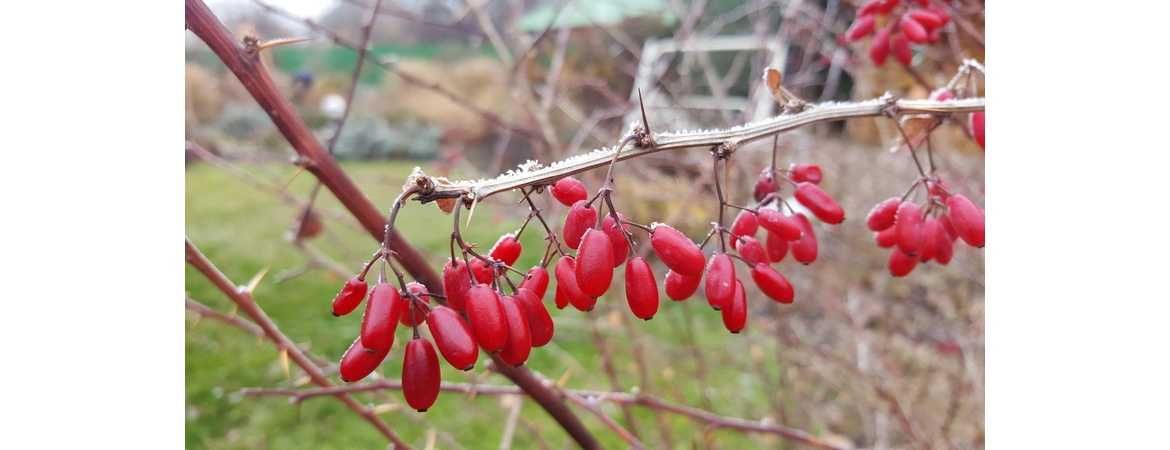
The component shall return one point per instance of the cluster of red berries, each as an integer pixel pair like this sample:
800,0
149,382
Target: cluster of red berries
915,233
476,313
896,31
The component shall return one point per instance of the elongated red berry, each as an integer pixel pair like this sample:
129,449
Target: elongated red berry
901,264
820,203
720,281
765,184
617,239
594,269
507,249
772,283
776,246
415,312
569,190
641,289
540,322
359,362
745,224
801,173
676,250
805,250
349,297
944,246
882,214
909,224
901,49
967,219
537,280
977,129
487,317
453,336
913,30
877,7
420,374
945,219
861,28
519,343
784,226
927,248
482,270
381,317
886,238
567,288
735,313
680,287
456,282
928,19
752,250
581,217
879,48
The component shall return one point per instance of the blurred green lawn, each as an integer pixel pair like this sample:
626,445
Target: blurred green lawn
242,230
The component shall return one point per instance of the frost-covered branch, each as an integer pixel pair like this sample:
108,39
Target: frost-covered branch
533,174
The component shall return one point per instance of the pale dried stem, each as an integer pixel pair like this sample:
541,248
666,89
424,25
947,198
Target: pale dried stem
735,136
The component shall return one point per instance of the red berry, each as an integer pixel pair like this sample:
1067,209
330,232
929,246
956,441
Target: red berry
887,238
358,362
456,282
877,7
938,189
777,247
805,250
820,203
349,297
537,280
908,222
420,374
540,323
487,317
617,239
720,281
641,289
913,30
805,173
940,12
507,249
900,263
752,250
680,287
568,292
581,217
927,248
453,337
944,245
967,219
945,219
772,283
381,317
735,314
977,128
901,49
942,94
765,184
482,270
569,190
879,49
519,343
785,227
676,250
928,19
882,214
861,28
413,313
745,224
594,269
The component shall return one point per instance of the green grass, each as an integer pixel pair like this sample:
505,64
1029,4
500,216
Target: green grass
242,229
